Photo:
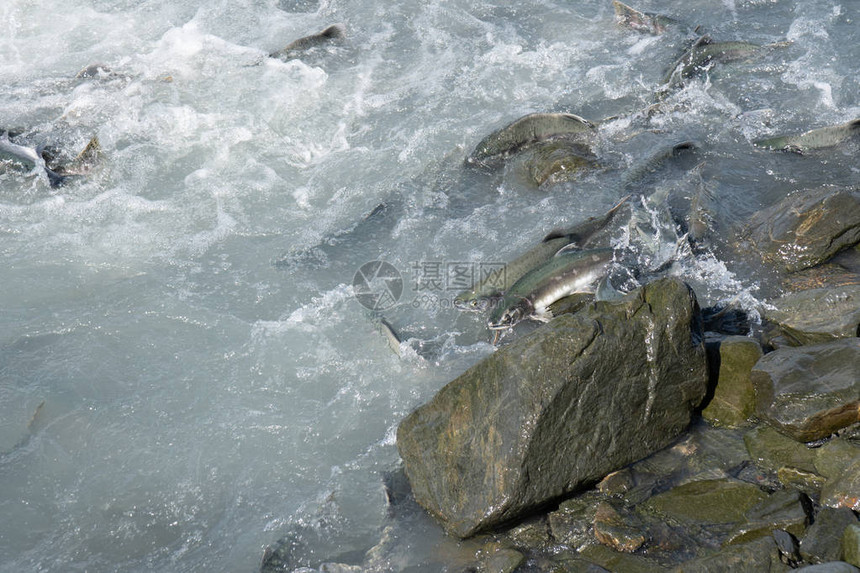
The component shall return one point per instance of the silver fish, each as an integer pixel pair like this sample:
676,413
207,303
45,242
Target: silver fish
29,156
528,129
387,330
814,139
698,218
580,236
296,48
703,52
646,22
560,277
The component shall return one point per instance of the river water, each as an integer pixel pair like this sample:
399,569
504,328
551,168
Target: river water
186,375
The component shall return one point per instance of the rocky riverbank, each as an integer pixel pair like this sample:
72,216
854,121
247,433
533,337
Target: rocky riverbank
624,436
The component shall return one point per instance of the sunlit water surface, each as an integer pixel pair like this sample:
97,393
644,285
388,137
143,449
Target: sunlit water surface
184,377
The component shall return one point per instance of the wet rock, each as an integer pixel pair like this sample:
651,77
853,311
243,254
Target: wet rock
617,561
617,483
531,534
786,510
571,523
834,456
789,548
707,502
546,415
830,567
821,542
809,392
759,556
617,528
495,557
571,562
771,450
804,229
843,490
851,545
821,276
809,483
734,397
704,452
818,315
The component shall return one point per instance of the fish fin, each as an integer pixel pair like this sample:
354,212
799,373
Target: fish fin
337,31
684,146
567,249
55,179
554,234
92,152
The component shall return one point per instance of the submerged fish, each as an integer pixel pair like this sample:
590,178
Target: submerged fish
698,219
95,71
703,52
581,235
84,163
647,22
525,131
29,156
561,276
559,160
387,330
813,139
651,164
294,49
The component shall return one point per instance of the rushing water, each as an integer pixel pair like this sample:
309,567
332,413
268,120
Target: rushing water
186,376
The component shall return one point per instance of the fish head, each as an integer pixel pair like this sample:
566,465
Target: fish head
508,316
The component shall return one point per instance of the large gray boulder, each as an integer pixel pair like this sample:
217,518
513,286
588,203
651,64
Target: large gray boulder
809,392
818,315
582,396
804,229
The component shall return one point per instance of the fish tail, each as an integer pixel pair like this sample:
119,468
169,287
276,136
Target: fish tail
56,179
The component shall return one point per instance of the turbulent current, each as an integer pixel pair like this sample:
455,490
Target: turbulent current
187,374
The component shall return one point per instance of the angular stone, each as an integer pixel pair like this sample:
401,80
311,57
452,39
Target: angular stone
618,528
531,534
826,275
734,397
771,450
851,545
806,228
498,558
706,502
570,562
759,556
843,490
818,315
786,510
789,548
834,456
547,415
617,561
571,522
617,483
821,542
809,483
809,392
